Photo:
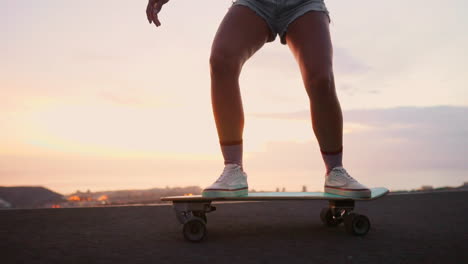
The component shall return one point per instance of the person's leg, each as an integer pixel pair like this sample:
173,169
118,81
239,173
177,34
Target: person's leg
239,36
309,39
241,33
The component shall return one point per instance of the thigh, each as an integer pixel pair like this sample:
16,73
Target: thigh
241,33
309,40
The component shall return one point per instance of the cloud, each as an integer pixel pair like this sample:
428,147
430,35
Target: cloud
429,137
281,59
409,138
276,65
401,148
346,64
351,90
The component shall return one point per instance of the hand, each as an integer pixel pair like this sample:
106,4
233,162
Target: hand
152,10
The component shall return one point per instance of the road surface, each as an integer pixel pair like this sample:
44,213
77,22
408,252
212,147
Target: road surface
415,228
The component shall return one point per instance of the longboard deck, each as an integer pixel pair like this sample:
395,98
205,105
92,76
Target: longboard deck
262,196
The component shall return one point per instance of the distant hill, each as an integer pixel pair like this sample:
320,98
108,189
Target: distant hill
29,197
132,196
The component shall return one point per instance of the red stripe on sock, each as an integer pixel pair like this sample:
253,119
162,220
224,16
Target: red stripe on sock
230,143
332,152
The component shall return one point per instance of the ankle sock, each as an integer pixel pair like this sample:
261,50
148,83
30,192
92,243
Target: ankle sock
232,152
332,159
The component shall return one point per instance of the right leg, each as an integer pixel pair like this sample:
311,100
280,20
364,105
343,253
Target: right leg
239,36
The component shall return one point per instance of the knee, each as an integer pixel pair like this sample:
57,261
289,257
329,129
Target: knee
223,63
320,84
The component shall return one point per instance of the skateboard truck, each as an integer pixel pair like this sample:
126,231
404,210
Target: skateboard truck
193,216
340,211
185,211
341,207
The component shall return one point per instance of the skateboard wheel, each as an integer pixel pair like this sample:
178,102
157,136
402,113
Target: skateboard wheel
202,215
357,224
326,215
194,229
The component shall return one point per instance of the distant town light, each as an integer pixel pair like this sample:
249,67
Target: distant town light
74,198
103,198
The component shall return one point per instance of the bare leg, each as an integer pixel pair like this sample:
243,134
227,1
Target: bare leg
239,36
309,39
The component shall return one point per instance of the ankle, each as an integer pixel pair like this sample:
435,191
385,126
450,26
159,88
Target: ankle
332,159
232,153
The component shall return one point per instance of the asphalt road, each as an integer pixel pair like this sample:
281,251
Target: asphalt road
416,228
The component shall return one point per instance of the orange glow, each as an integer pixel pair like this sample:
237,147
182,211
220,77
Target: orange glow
74,198
188,194
56,206
103,198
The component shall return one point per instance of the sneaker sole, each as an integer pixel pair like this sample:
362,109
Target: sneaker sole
225,193
366,193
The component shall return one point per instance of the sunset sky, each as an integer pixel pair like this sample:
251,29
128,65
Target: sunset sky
94,97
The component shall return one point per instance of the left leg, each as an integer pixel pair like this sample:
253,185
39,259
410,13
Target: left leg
308,37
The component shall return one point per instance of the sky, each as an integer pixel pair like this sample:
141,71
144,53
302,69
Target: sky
94,97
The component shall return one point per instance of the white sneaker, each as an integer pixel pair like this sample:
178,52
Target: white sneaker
339,182
231,183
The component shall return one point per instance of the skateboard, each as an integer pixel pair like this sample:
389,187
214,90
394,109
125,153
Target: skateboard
191,210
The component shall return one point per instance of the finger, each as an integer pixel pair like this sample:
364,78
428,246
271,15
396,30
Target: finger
156,18
149,13
156,21
157,9
148,16
150,10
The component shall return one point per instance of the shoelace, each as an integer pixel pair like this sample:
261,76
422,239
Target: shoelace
224,174
344,173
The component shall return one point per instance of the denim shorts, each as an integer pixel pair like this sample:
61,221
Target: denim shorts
280,13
